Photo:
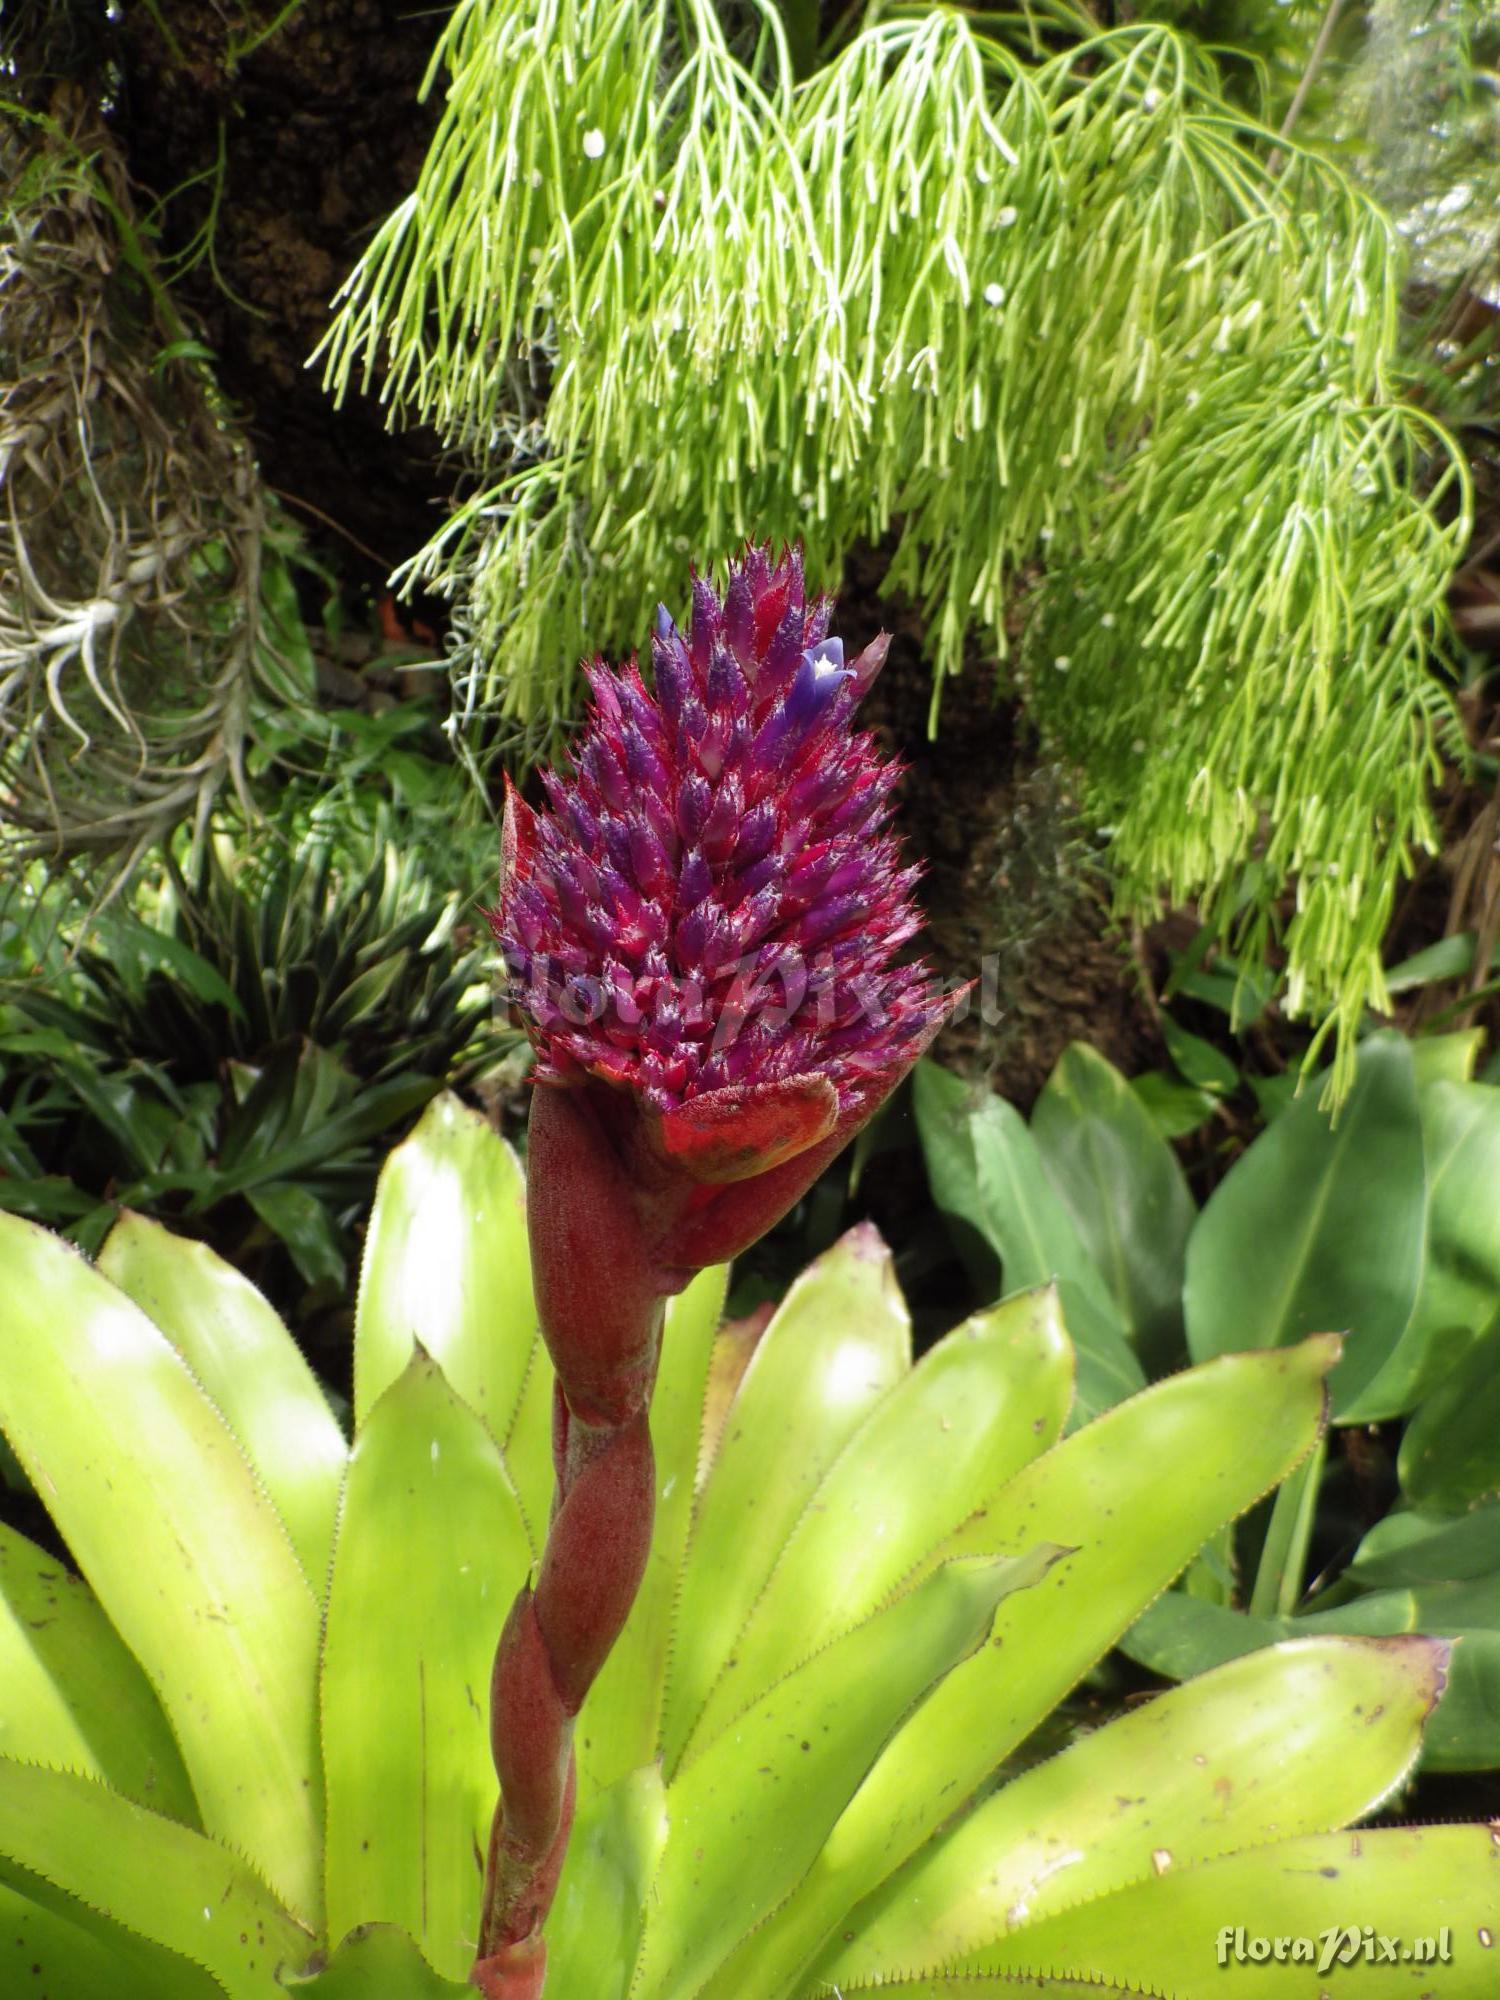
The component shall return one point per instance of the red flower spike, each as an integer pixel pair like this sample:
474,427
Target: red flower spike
700,933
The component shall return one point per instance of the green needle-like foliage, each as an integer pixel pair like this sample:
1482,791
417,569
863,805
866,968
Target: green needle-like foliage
1059,313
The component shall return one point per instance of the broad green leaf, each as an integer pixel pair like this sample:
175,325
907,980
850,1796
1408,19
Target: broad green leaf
1459,1293
1461,1280
73,1696
88,1854
1199,1061
986,1168
431,1550
45,1954
1450,1453
446,1264
1177,1932
984,1402
838,1342
1120,1182
236,1345
1301,1738
1415,1548
1449,958
746,1818
183,1548
303,1223
1174,1108
378,1962
1135,1495
1446,1058
621,1720
1179,1637
1318,1227
594,1931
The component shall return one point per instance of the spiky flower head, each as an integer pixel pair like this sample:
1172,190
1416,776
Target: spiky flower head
714,900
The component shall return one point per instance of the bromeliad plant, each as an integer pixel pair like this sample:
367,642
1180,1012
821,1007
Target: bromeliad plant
757,1684
246,1752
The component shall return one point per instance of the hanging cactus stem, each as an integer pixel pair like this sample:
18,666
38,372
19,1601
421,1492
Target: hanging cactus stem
701,934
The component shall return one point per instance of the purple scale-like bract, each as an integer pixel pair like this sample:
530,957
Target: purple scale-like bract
713,899
702,934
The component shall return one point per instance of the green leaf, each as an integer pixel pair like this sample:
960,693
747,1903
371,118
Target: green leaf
982,1404
253,1370
1460,1290
181,1544
1174,1108
1319,1227
1179,1636
74,1697
747,1817
1414,1548
998,1986
140,949
621,1719
1300,1738
1449,958
302,1222
1450,1453
47,1954
378,1962
1446,1058
446,1264
1135,1495
1166,1932
986,1168
594,1931
431,1551
1204,1066
1121,1183
86,1853
838,1342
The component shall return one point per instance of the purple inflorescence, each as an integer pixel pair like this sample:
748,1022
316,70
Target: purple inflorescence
713,898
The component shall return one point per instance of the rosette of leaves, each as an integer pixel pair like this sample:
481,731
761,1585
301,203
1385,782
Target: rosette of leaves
235,1064
245,1749
1380,1222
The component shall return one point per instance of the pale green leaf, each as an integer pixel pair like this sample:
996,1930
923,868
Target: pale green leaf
1134,1494
621,1719
74,1697
89,1854
615,1848
379,1962
984,1402
431,1551
747,1817
252,1369
839,1341
446,1264
183,1548
46,1954
1300,1738
1179,1931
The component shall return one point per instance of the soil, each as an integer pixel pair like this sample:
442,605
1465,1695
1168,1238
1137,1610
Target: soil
321,136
